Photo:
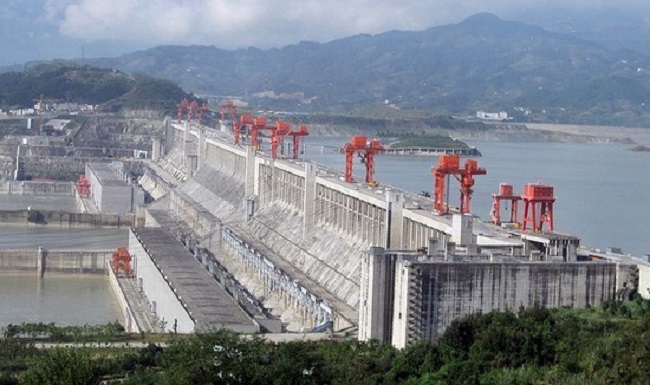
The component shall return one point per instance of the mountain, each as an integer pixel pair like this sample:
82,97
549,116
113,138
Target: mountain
483,62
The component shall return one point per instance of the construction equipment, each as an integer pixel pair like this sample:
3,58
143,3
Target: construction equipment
449,165
242,126
122,261
536,194
259,124
302,131
83,186
182,107
281,130
366,151
505,194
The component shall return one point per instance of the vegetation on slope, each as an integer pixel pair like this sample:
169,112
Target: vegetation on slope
433,141
68,82
606,345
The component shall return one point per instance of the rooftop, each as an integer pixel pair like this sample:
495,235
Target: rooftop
207,302
106,175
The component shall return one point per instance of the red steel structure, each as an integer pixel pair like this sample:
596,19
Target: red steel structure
535,195
192,110
122,261
83,186
366,151
302,131
200,110
449,165
259,124
281,130
182,107
228,110
245,122
505,194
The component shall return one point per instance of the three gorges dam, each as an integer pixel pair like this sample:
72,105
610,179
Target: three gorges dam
242,238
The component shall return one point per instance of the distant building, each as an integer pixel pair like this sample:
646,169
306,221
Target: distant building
55,126
502,115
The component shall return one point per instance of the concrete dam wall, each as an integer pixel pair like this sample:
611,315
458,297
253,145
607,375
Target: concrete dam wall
291,218
305,216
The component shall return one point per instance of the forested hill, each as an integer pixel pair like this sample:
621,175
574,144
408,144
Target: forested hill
66,82
481,63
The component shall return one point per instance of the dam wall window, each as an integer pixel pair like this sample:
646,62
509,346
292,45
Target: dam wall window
416,235
350,216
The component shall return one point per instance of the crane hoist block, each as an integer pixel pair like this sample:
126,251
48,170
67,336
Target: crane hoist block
505,190
449,161
358,141
534,191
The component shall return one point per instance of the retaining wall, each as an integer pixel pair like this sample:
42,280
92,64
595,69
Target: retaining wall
54,261
62,219
37,188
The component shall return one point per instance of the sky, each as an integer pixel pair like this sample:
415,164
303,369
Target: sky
108,26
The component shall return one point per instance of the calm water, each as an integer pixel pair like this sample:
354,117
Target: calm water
64,300
603,191
70,300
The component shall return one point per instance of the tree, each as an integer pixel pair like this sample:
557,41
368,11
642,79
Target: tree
63,366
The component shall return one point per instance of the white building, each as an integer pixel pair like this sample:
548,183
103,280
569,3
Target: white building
502,115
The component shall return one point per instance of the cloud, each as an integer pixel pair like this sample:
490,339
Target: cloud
264,23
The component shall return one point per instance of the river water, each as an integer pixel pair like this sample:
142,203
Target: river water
64,300
602,191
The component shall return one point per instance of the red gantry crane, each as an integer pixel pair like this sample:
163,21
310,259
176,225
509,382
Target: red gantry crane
281,130
366,151
449,165
228,110
192,110
83,186
536,194
259,124
122,260
505,194
182,107
302,131
245,122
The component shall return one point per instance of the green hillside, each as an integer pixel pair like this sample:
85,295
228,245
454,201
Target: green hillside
66,82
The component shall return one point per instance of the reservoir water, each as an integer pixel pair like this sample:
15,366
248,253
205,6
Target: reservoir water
603,191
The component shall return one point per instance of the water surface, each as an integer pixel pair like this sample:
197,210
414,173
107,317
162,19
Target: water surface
603,191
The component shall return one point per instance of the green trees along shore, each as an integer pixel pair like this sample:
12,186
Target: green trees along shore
606,345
